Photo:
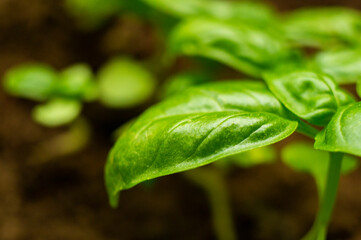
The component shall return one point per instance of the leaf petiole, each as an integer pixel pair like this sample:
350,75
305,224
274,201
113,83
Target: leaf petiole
319,228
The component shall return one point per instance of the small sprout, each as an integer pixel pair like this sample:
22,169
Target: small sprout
77,82
57,112
123,83
32,81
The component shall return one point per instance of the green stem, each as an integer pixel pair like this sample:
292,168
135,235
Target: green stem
212,181
306,129
319,228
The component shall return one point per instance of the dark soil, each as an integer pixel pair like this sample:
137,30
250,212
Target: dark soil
65,197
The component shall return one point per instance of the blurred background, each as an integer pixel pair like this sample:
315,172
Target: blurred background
51,175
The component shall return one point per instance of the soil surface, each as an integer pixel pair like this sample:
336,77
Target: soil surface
65,198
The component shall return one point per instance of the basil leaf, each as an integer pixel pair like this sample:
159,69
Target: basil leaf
343,133
343,65
57,112
33,81
181,142
245,96
312,96
240,46
324,27
301,156
124,83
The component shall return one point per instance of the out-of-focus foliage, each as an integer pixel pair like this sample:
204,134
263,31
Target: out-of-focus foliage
57,112
246,11
180,82
251,158
92,13
301,156
77,82
238,45
343,64
324,27
124,83
33,81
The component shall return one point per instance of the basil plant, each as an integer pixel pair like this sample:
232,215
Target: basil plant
289,93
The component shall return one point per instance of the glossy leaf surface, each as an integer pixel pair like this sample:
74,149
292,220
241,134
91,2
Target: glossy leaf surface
33,81
57,112
301,156
324,27
312,96
343,65
245,96
124,83
180,142
240,46
343,133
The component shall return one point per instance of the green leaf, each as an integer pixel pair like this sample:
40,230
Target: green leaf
180,142
179,8
77,82
301,156
251,158
344,65
343,133
124,83
93,13
240,46
250,12
33,81
180,82
57,112
312,96
324,27
245,96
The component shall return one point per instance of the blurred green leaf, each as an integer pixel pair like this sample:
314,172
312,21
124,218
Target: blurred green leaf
33,81
57,112
324,27
183,81
77,82
254,157
238,45
92,13
342,64
301,156
124,83
247,11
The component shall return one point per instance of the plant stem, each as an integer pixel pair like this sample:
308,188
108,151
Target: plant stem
319,228
306,129
212,181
